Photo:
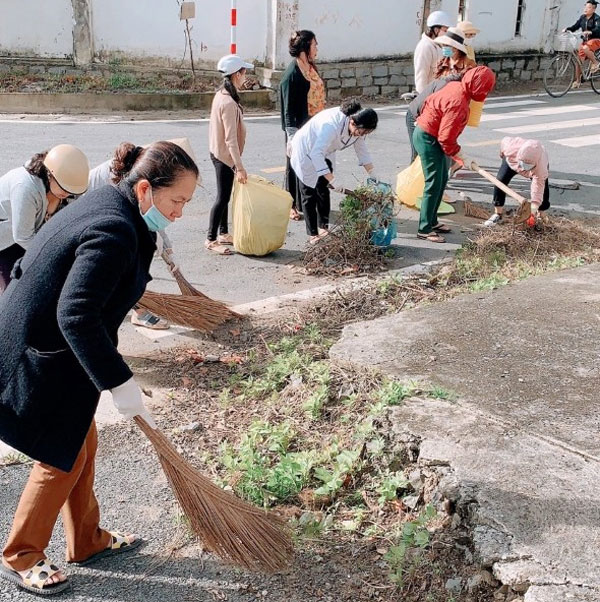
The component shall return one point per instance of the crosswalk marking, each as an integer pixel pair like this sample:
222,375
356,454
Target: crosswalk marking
514,103
557,125
579,141
540,112
483,143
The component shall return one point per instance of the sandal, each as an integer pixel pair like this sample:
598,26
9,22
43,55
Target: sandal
225,239
148,320
34,579
431,237
444,228
216,247
118,545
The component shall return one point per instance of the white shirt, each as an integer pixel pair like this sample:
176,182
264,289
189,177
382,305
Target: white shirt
426,57
318,140
23,206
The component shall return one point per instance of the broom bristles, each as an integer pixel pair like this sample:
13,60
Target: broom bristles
236,531
195,311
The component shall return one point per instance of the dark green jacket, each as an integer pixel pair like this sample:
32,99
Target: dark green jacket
293,97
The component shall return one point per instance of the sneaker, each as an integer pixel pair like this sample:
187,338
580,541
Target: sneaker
493,221
148,320
576,85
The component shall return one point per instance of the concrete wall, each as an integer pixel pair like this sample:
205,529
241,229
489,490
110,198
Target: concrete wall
36,28
151,28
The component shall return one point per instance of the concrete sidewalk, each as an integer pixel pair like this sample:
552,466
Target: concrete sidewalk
522,439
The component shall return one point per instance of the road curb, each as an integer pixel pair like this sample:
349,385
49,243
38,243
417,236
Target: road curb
73,103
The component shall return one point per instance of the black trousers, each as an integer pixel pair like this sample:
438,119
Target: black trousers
291,182
8,258
505,175
316,204
217,221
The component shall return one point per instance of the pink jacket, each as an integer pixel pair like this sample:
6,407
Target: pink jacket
528,151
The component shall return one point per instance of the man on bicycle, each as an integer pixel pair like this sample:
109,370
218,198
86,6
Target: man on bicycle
589,23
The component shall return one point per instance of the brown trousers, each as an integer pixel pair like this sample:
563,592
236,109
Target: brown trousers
48,492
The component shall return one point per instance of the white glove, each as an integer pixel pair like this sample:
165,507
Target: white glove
288,148
128,401
170,259
337,185
535,209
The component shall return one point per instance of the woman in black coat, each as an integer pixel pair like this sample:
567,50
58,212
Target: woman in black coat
301,95
59,317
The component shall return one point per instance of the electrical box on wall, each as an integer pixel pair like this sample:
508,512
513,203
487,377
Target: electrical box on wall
188,11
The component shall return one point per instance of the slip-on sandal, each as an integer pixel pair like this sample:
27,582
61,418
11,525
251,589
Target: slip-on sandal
118,545
34,579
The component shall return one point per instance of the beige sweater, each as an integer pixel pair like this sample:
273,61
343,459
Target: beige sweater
227,132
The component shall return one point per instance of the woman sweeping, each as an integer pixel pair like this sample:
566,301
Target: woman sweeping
443,118
302,95
29,195
227,136
313,158
58,332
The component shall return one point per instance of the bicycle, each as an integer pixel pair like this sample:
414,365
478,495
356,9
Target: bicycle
560,73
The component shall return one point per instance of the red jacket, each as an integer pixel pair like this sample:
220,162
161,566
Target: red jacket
445,113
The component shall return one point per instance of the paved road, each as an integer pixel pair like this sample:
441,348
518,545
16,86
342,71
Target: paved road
570,127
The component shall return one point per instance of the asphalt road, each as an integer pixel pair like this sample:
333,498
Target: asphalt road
570,127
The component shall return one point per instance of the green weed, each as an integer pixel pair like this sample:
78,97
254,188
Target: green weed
389,486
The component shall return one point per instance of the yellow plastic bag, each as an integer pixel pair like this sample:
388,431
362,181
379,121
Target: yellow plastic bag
261,212
410,184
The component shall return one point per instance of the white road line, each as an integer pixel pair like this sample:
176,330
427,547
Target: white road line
515,103
556,125
579,141
540,112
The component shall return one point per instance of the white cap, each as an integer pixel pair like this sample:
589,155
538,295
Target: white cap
232,63
439,18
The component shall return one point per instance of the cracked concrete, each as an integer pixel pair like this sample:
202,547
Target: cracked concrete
523,438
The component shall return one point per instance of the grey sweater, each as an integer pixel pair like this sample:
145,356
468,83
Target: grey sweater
23,206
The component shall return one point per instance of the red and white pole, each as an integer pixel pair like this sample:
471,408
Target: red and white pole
233,47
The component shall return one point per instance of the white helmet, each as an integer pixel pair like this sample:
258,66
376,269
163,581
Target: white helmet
439,18
69,167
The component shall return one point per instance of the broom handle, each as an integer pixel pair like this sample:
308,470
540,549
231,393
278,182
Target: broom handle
488,176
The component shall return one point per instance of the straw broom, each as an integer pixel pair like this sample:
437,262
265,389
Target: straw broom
198,312
231,528
192,308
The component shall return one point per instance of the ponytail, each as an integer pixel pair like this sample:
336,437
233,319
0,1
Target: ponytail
35,166
350,106
232,90
124,159
365,119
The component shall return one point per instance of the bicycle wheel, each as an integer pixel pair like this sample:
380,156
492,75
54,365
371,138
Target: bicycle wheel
559,75
595,77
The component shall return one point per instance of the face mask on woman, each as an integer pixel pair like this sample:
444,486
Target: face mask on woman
154,219
447,51
526,166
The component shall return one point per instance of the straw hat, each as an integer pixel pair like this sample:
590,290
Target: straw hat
453,37
467,27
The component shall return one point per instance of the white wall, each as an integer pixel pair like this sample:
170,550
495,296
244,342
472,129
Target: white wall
346,29
36,28
151,28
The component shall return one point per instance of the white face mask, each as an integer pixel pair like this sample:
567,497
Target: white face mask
526,166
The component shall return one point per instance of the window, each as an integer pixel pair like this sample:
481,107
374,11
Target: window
519,23
462,10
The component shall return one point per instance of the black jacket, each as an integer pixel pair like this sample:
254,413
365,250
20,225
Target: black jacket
592,24
293,97
59,319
